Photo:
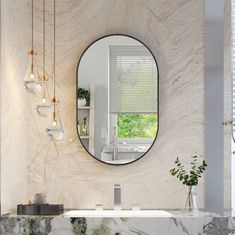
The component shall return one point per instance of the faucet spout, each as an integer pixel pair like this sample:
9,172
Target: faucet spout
117,196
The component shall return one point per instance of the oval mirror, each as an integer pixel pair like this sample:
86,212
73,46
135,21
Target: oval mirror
117,99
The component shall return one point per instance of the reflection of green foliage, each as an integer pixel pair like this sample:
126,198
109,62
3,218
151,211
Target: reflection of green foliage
133,78
102,230
83,93
137,125
126,78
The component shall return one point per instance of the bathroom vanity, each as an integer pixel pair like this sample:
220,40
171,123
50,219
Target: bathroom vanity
109,222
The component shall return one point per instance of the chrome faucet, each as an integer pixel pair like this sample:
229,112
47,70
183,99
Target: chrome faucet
117,196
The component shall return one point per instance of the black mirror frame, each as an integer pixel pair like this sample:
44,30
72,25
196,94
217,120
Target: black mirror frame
122,164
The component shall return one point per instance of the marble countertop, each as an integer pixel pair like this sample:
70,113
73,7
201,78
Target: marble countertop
175,213
179,224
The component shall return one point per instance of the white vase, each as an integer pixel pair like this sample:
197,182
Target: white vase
81,102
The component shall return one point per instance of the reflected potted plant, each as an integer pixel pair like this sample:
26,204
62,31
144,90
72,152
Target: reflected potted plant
189,178
83,97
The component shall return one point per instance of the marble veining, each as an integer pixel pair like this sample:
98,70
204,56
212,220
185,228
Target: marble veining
179,225
173,30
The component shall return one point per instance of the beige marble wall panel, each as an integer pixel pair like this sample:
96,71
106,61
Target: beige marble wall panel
14,106
173,30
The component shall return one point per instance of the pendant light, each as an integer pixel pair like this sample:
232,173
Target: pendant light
43,109
55,131
32,82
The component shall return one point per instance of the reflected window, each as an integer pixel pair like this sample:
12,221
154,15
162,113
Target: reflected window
133,94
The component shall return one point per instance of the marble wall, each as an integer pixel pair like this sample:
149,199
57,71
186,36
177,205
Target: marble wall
173,30
14,107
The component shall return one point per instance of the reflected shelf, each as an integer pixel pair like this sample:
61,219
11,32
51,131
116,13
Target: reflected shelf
86,137
85,107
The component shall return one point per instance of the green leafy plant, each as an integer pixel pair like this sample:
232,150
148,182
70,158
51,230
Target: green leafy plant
189,178
83,94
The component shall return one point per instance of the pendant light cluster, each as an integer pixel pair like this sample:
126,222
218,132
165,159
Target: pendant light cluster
38,84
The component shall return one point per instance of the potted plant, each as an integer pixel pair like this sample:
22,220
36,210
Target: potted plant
189,178
83,97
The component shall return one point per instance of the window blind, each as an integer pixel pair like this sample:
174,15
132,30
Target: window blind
132,80
233,68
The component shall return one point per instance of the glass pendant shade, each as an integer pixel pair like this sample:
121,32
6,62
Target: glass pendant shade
44,108
31,80
55,131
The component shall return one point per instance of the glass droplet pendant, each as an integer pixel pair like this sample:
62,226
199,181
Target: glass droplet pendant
31,80
55,131
44,108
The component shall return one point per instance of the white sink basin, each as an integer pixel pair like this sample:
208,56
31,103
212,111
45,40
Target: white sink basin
117,213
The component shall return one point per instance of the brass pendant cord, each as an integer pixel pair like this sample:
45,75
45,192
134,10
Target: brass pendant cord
32,42
43,42
54,71
43,51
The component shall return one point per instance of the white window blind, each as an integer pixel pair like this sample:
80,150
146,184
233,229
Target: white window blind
233,68
132,79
